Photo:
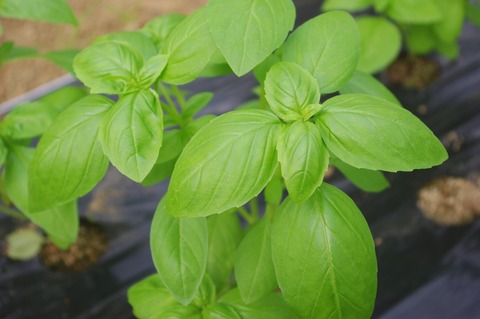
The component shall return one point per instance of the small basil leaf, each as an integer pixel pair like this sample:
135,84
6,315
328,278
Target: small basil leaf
54,11
261,70
196,103
190,47
448,29
291,92
414,12
236,25
380,42
179,249
372,133
224,235
63,58
152,69
367,180
420,39
320,247
136,39
160,28
253,263
69,160
328,47
221,167
109,67
274,190
366,84
206,294
131,133
303,158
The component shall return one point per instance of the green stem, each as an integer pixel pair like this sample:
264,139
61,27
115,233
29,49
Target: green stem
270,211
179,96
254,208
169,107
248,217
11,212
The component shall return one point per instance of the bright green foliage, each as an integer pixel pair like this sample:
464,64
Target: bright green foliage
380,42
179,250
292,93
224,235
140,41
414,11
160,28
57,177
303,157
324,256
257,29
254,270
472,12
225,164
23,244
328,47
63,58
349,5
131,133
196,103
190,47
367,180
372,133
55,11
364,83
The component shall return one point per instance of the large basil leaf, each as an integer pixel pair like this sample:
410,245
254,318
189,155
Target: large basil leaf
55,11
179,249
324,256
292,93
109,67
248,31
64,97
190,47
372,133
224,235
303,158
160,28
60,222
131,133
380,42
328,47
228,162
366,84
414,11
151,300
253,263
69,160
367,180
349,5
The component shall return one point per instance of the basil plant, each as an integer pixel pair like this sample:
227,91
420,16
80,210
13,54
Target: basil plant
221,249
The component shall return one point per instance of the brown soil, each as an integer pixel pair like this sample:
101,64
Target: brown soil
91,244
96,17
450,200
414,72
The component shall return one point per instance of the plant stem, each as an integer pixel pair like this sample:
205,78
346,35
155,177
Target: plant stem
11,212
248,217
254,208
270,211
179,96
169,107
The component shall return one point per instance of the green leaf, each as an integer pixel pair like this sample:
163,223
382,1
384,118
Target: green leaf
109,67
151,300
179,250
60,222
69,160
63,58
324,256
328,47
253,263
364,83
367,180
224,235
220,311
221,167
196,103
63,98
250,30
159,172
271,306
131,133
292,93
206,294
261,70
303,158
450,50
414,11
472,13
190,47
55,11
27,120
136,39
274,190
380,41
3,153
372,133
420,39
5,49
152,69
160,28
449,28
23,244
348,5
10,52
1,30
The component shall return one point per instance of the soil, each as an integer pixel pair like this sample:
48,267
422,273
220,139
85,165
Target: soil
413,71
91,244
450,200
96,17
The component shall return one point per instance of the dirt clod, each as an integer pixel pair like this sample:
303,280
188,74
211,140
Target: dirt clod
450,200
414,72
